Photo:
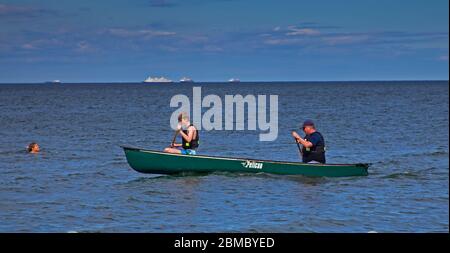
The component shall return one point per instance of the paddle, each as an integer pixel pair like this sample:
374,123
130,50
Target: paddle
173,139
299,148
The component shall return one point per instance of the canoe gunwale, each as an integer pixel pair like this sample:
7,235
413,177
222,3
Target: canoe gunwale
125,147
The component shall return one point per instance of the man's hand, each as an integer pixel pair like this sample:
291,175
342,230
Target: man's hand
295,135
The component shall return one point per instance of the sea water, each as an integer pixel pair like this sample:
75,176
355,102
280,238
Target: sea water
81,182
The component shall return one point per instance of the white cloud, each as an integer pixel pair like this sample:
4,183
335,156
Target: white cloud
293,31
212,48
28,46
144,33
41,43
346,39
279,42
83,46
274,42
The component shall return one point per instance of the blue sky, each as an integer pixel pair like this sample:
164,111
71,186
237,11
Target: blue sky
214,40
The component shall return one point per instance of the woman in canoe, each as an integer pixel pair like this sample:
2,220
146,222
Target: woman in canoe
190,138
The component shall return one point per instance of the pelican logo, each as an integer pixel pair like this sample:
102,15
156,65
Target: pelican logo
252,165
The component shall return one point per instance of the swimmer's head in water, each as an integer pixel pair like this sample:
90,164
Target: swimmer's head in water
33,147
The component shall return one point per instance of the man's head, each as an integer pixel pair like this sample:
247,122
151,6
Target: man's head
308,127
33,147
183,119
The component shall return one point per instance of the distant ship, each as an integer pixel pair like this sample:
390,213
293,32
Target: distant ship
157,80
186,80
54,82
234,80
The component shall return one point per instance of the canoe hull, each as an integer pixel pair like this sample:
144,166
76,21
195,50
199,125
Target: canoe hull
155,162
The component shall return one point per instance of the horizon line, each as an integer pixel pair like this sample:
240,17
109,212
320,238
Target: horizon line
279,81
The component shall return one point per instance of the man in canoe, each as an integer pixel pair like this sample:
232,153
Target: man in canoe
313,149
190,138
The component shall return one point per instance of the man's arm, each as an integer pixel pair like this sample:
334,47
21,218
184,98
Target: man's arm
302,141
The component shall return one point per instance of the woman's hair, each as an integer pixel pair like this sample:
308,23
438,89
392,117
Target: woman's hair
31,146
182,116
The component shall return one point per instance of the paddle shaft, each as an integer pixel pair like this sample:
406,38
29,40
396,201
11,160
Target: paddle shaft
299,148
174,138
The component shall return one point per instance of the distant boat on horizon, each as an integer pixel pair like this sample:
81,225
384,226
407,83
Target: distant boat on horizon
54,82
234,80
157,80
186,80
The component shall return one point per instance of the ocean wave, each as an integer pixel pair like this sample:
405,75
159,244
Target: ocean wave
426,153
400,175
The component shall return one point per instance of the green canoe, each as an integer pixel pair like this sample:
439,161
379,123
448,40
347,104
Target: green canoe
156,162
